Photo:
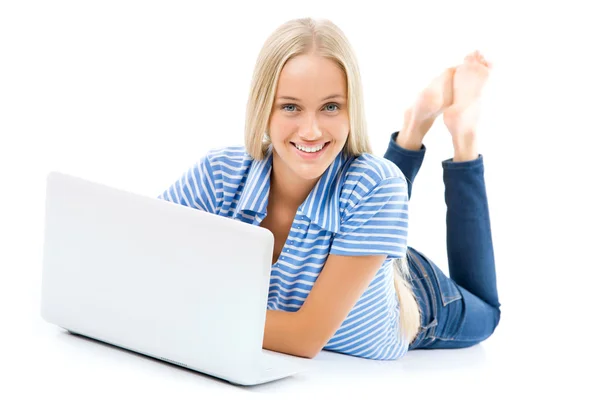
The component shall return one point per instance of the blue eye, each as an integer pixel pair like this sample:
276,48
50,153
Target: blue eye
285,107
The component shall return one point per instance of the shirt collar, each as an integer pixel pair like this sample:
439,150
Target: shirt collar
321,205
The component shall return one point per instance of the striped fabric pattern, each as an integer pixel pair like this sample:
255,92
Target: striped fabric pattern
358,207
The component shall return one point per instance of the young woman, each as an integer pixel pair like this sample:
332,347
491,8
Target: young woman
343,278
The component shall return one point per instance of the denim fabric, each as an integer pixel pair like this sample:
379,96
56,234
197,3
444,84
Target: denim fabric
463,309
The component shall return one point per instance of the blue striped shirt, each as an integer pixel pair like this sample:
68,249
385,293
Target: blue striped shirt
359,206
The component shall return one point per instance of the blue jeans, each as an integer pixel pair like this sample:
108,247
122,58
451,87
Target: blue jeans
463,309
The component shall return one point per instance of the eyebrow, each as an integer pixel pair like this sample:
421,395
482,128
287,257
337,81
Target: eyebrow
333,96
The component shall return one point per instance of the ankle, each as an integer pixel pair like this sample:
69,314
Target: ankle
413,131
465,149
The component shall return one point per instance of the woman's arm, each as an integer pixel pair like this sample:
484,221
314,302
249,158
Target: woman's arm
372,229
337,289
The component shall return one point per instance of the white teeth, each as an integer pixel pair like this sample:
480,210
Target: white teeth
309,149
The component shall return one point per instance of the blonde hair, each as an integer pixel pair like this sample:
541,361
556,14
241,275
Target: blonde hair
294,38
410,313
322,37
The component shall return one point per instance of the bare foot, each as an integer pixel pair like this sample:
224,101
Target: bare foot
430,103
462,115
435,98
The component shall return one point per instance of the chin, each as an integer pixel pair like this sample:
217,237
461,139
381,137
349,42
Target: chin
306,169
310,170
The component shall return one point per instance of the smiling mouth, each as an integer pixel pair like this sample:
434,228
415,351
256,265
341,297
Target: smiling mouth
312,152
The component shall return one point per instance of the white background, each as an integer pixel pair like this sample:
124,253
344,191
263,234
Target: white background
130,94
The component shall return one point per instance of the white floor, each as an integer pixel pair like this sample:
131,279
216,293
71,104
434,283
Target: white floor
41,359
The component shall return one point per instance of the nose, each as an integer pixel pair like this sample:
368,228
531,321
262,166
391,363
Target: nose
309,128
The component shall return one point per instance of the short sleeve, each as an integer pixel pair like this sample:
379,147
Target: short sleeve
195,188
377,223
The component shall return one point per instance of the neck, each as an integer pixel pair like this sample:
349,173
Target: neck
288,189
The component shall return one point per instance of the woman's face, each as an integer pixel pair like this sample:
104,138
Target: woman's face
310,110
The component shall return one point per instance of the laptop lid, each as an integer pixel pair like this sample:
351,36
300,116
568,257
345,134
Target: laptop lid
155,277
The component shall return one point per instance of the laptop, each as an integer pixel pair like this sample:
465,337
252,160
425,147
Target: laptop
161,279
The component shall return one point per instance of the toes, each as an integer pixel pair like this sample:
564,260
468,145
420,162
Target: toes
477,61
487,63
473,57
449,72
483,60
